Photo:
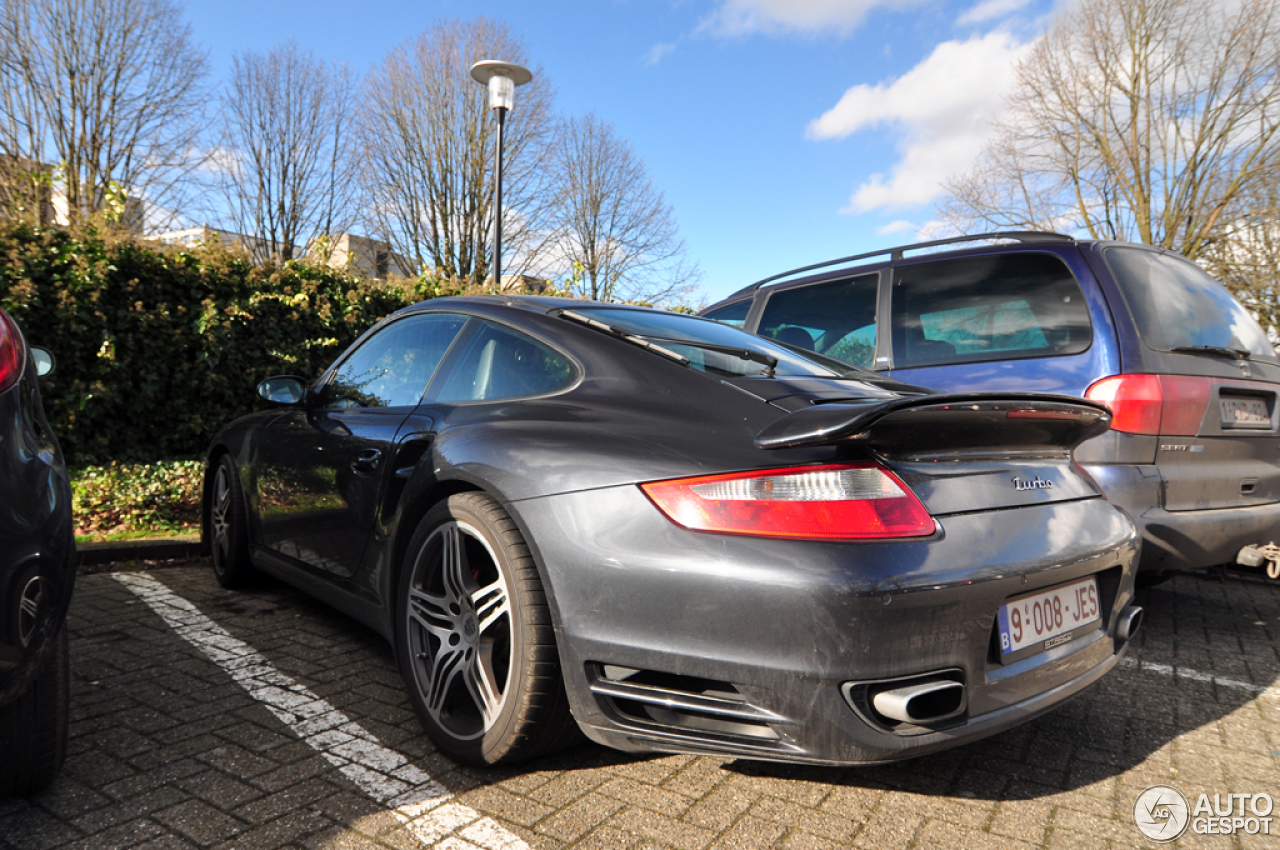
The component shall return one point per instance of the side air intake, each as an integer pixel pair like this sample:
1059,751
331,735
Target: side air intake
677,704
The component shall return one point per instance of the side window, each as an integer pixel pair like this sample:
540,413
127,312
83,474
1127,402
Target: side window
735,314
987,308
836,318
498,362
392,367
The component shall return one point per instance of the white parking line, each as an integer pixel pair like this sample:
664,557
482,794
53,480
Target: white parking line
1197,676
425,806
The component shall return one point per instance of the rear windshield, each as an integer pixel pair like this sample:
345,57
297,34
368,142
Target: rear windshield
1176,304
673,327
987,308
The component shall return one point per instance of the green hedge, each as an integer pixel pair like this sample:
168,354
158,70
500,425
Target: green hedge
137,499
157,348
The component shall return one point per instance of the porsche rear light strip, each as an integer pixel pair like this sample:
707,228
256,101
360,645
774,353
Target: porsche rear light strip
860,501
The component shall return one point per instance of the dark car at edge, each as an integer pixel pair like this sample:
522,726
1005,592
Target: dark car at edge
37,574
675,536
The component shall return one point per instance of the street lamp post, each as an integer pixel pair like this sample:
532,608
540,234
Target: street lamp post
502,79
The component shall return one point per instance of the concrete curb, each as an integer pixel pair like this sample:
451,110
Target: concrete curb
138,550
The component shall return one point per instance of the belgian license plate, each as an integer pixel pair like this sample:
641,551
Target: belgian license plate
1244,413
1050,617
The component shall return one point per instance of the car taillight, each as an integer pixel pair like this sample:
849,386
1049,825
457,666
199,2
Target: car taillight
846,502
10,352
1170,405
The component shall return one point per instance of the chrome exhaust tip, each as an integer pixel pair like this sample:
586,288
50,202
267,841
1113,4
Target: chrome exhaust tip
922,702
1129,622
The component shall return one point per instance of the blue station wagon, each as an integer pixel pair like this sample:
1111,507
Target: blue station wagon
1191,378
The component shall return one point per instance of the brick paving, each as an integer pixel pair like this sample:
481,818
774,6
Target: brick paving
169,751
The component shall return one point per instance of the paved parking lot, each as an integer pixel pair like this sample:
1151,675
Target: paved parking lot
202,717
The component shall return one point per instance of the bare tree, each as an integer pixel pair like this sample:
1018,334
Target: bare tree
24,181
1245,255
428,146
286,164
107,90
1146,120
611,227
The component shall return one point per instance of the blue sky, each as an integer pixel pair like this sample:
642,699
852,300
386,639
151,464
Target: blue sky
782,132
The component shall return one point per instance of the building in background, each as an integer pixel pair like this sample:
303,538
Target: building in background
206,235
371,258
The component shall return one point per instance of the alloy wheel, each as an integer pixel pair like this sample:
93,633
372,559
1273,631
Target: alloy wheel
459,629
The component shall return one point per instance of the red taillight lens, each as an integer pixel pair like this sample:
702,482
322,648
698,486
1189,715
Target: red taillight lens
846,502
10,352
1172,405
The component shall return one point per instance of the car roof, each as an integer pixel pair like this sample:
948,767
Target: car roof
898,254
531,303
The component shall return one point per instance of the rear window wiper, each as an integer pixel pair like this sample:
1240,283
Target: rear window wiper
767,360
1215,350
623,335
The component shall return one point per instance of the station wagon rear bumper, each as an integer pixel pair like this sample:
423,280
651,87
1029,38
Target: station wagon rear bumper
1183,540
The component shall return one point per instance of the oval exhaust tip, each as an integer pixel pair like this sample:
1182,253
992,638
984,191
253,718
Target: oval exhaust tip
1129,622
922,702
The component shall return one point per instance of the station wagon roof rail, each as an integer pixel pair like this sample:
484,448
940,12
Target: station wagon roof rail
898,253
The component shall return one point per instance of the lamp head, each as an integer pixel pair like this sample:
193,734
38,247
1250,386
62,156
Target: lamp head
502,79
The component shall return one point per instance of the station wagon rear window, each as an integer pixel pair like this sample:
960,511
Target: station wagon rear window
1177,305
987,308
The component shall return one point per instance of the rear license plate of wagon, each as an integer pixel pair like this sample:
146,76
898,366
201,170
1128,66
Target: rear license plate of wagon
1047,618
1238,412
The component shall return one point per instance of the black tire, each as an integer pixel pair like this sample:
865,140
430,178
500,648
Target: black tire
33,727
475,640
229,527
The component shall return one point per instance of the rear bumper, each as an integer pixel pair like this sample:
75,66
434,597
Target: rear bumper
1183,540
753,641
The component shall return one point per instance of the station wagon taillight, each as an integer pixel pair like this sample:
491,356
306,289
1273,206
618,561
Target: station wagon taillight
860,501
10,352
1159,405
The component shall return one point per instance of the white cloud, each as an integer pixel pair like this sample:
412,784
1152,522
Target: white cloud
221,160
944,108
989,9
658,51
895,227
743,17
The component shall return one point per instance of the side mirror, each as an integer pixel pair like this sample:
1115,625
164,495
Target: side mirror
44,360
283,389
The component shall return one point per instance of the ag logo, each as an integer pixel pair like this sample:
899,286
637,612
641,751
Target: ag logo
1161,813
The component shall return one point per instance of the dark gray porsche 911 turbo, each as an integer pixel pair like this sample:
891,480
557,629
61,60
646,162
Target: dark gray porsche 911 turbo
676,536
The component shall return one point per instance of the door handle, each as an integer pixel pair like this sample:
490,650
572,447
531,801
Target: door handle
367,461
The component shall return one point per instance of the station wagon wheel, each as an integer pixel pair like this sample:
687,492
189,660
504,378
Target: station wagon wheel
228,526
474,637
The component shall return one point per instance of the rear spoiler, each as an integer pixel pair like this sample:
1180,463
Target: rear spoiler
962,422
